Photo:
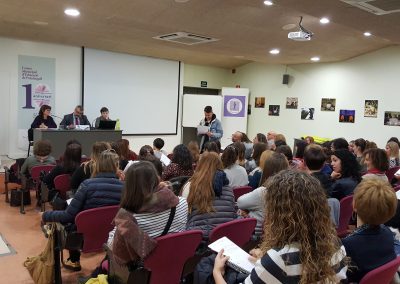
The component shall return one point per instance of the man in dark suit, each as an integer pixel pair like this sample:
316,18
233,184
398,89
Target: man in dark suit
76,118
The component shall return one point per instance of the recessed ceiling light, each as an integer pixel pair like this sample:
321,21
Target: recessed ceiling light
367,34
40,23
72,12
268,3
315,58
274,51
324,20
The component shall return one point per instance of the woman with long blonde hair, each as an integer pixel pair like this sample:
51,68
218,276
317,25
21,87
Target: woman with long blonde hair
300,243
210,200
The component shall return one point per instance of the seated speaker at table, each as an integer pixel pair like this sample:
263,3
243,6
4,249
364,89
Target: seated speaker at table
70,121
104,115
44,119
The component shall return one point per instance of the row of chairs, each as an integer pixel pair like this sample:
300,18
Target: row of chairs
95,224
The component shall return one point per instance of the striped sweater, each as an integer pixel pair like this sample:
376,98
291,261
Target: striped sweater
283,266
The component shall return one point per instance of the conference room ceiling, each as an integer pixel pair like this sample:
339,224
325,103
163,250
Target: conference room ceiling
246,29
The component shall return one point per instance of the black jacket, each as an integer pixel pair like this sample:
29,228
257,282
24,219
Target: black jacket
69,119
103,190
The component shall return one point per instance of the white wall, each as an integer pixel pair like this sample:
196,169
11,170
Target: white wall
67,89
371,76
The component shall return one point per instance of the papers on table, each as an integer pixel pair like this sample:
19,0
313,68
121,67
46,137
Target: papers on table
82,127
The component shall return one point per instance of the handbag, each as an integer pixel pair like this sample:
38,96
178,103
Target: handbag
41,267
135,271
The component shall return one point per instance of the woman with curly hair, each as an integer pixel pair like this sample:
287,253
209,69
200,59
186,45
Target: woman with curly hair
346,173
181,164
293,250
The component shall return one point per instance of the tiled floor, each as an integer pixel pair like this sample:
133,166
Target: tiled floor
25,236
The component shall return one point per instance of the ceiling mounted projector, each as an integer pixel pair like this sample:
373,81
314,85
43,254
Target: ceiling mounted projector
302,34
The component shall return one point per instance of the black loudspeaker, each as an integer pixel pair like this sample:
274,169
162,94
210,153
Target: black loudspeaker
285,79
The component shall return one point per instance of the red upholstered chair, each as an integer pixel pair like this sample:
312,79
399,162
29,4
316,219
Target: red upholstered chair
346,210
95,224
383,274
167,260
239,191
62,184
238,231
390,172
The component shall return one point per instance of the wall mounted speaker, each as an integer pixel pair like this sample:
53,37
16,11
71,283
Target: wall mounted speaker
285,79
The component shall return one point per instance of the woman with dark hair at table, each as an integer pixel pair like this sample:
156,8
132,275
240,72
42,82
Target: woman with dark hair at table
44,119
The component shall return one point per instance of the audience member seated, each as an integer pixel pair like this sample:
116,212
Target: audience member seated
255,177
241,161
103,189
210,200
194,149
211,147
298,154
287,152
338,144
359,149
293,250
346,173
242,137
145,151
371,244
309,140
252,203
158,144
394,139
260,138
41,156
132,156
71,161
392,152
271,140
352,146
377,164
254,162
150,202
117,149
326,147
280,140
314,160
43,119
87,168
181,163
236,174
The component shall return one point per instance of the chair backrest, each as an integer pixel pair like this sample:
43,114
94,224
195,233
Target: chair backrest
238,231
62,184
383,274
390,172
95,224
346,210
167,260
239,191
36,170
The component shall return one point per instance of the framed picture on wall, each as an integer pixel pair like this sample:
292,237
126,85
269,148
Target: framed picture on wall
259,102
328,104
392,118
346,115
274,110
307,113
292,103
371,108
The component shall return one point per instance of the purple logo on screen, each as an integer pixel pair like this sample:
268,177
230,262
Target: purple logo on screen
234,106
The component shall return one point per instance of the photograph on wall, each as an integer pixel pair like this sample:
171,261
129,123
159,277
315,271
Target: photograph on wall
346,115
292,103
371,108
307,113
259,102
392,118
328,104
274,110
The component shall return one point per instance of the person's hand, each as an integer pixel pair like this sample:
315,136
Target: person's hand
219,264
335,175
209,134
42,126
121,175
255,254
71,126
